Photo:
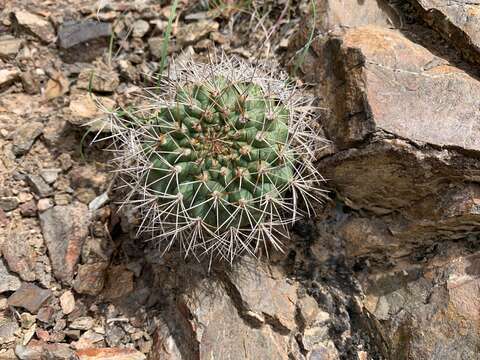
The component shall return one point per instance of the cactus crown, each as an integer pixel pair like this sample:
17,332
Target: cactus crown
219,160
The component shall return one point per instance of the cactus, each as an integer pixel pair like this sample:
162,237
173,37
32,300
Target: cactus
220,159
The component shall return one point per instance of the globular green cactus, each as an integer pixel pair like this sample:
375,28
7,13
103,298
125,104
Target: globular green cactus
220,160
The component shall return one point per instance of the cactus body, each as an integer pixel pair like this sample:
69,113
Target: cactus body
220,160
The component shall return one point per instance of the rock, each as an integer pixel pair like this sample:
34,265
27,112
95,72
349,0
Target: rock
85,111
27,320
88,339
33,351
8,203
387,93
25,136
34,25
83,41
99,79
82,323
427,303
64,230
261,296
220,332
57,85
20,256
9,46
388,73
155,46
50,175
28,209
119,283
140,28
7,282
44,204
8,76
109,354
45,314
39,186
308,310
458,23
90,278
31,82
67,302
8,328
88,177
85,195
193,32
58,351
65,161
30,297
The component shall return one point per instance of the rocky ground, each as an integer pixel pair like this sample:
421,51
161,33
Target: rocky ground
389,268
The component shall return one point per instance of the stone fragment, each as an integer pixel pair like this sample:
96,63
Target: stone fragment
218,329
262,296
8,328
82,323
9,203
85,111
28,209
308,310
31,82
57,85
155,46
34,25
88,339
32,351
27,320
67,302
30,297
25,136
140,28
8,76
50,175
119,283
109,354
44,204
64,230
90,278
9,46
99,79
20,256
8,282
458,22
39,186
193,32
83,41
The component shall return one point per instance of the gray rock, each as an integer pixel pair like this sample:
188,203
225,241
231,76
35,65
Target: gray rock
7,330
457,21
30,297
83,41
34,25
64,230
140,28
98,79
8,76
9,203
193,32
9,46
39,186
20,256
8,282
24,137
50,175
82,323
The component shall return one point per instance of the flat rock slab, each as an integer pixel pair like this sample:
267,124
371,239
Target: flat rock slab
24,137
109,354
8,282
458,21
34,25
64,230
396,86
30,297
83,41
221,333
